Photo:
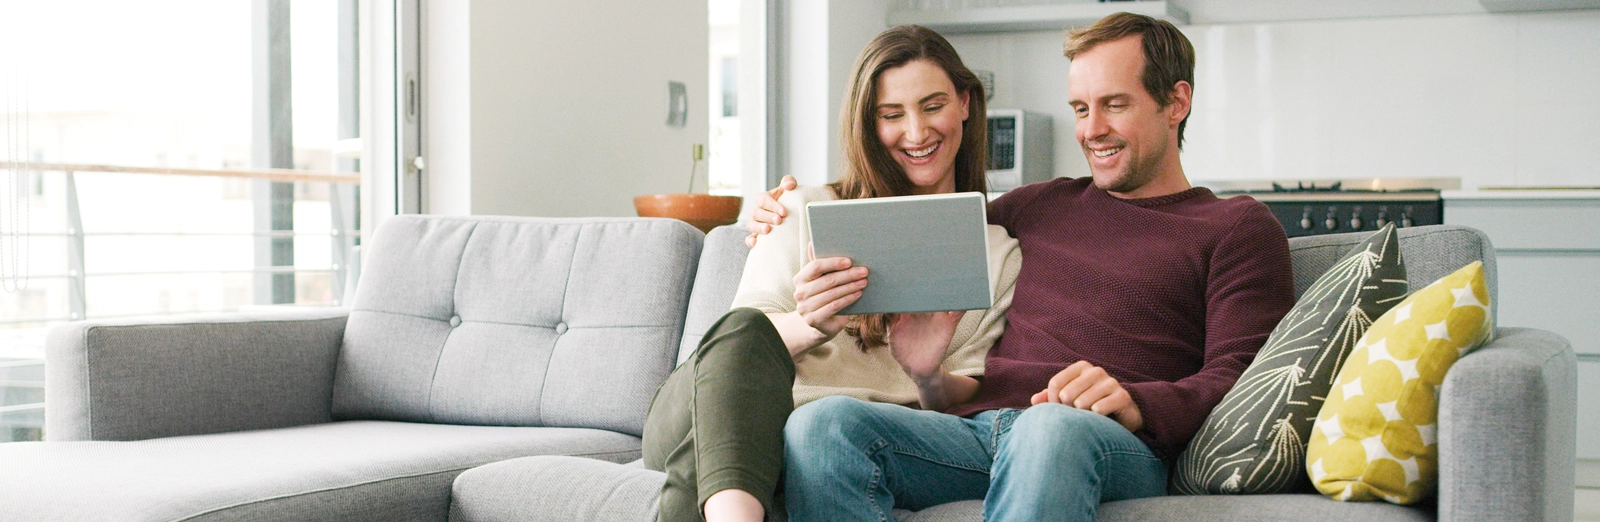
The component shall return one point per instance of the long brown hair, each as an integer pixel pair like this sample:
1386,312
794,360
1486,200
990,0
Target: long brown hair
869,170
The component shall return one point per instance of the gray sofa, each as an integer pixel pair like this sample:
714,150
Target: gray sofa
525,352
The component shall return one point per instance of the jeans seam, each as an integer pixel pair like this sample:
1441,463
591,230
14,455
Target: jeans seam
940,462
877,478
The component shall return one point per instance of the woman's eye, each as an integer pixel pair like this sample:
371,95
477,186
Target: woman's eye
932,108
891,116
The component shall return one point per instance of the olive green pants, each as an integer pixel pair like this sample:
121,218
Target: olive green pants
717,423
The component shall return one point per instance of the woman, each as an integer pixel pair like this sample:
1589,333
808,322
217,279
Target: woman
913,123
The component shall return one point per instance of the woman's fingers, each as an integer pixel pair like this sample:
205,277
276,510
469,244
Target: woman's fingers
820,275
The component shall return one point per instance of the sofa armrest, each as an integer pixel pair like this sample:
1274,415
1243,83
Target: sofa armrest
131,380
1507,421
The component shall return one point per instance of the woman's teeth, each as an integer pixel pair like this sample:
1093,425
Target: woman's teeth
922,153
1107,152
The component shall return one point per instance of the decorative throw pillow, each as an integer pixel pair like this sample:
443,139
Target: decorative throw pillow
1254,440
1376,434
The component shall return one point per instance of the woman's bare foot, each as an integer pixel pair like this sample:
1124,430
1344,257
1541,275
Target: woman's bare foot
733,505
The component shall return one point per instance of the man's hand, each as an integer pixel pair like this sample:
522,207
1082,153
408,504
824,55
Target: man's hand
919,342
825,286
768,211
1088,387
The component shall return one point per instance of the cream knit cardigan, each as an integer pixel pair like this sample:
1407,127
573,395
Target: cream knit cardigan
840,367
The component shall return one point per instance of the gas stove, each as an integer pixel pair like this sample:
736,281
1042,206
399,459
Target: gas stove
1307,208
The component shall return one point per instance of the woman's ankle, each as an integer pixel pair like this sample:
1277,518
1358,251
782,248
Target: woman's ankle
733,505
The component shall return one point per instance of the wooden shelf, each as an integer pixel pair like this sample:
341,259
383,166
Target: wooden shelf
1047,17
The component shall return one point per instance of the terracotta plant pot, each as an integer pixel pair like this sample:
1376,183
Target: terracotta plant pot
704,211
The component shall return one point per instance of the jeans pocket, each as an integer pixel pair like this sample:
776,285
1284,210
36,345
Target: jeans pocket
1003,419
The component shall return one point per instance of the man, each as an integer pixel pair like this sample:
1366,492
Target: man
1140,302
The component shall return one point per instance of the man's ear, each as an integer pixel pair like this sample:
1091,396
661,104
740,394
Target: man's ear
1182,101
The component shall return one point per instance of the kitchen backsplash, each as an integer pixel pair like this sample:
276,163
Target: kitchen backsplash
1493,99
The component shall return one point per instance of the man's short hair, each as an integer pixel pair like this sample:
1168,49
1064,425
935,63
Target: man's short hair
1168,55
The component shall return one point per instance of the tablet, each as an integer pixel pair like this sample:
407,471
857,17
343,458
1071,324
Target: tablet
922,253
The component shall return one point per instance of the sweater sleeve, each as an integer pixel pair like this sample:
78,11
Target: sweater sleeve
768,281
1005,210
980,329
1249,288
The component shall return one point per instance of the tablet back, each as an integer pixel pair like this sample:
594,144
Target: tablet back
922,253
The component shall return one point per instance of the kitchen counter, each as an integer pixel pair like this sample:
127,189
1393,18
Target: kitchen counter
1522,194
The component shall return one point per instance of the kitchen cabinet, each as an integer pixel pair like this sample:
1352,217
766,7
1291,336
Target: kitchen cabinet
1547,245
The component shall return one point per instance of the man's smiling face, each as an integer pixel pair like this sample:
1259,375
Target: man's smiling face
1129,139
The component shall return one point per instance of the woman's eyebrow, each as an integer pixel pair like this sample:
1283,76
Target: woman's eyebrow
924,99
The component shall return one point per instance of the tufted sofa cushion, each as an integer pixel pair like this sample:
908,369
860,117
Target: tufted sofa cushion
516,321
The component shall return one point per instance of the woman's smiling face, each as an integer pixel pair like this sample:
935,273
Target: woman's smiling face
919,119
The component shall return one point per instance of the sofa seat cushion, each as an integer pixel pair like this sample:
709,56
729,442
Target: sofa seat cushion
359,470
1235,508
556,489
536,489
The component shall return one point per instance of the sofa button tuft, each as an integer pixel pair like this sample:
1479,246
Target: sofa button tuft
455,321
561,328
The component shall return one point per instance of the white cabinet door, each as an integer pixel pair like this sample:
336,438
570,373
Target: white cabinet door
1589,409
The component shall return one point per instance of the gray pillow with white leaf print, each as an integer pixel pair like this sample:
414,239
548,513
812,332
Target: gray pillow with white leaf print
1254,442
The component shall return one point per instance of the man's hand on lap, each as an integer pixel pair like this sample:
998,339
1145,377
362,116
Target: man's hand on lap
1088,387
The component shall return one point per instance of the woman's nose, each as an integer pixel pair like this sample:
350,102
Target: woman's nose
916,129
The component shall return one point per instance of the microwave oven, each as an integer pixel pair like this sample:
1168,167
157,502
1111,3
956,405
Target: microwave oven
1021,150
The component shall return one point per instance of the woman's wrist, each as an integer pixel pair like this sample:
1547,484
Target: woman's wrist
936,379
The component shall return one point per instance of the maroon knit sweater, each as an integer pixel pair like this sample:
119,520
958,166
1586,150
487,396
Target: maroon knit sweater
1172,295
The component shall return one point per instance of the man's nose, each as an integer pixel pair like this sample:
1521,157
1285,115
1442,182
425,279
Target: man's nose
1092,125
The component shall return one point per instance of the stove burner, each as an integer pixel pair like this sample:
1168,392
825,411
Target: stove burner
1301,187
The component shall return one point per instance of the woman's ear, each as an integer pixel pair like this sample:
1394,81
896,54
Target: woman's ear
965,96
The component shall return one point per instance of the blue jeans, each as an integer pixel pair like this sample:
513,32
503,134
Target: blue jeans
846,459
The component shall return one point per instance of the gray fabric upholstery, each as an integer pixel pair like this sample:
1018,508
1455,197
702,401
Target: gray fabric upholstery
345,471
572,489
516,321
563,489
1507,421
715,282
140,379
1431,252
1243,508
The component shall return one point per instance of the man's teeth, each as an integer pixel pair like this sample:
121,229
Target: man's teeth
1107,152
922,153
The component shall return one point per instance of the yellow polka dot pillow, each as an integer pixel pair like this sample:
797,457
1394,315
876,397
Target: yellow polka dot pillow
1375,437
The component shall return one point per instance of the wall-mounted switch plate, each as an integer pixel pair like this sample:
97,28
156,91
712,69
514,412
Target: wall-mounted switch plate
677,104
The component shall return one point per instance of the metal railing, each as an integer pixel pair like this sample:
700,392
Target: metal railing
342,235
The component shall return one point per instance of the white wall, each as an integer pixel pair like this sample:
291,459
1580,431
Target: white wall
556,108
823,39
1494,99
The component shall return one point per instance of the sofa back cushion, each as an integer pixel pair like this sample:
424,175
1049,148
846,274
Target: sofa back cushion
1431,252
516,321
715,282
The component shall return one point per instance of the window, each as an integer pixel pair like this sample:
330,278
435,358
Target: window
172,156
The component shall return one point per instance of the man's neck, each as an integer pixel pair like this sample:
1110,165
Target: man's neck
1170,181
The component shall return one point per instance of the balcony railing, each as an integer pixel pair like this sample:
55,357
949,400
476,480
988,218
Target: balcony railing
22,377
